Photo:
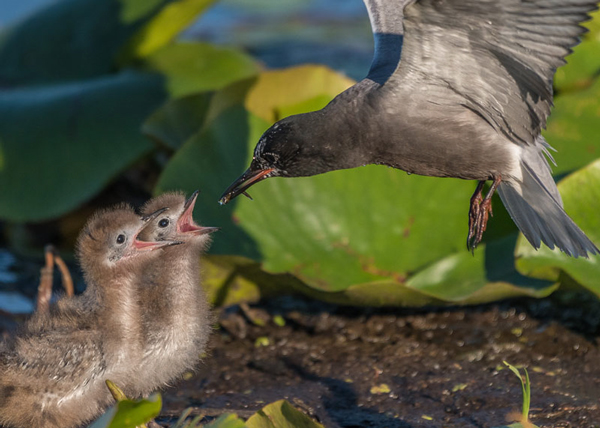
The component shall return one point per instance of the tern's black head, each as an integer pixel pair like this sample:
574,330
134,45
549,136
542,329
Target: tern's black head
297,146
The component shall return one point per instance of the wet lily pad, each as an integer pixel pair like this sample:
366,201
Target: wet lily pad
581,196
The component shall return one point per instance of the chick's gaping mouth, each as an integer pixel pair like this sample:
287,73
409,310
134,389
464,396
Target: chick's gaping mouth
186,223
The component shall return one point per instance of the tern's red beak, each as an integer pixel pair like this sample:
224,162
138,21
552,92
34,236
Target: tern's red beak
243,182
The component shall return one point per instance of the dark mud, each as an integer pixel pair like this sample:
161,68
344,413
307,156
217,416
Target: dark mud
400,368
403,368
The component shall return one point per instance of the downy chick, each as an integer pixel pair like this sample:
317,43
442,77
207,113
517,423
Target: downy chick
177,318
53,373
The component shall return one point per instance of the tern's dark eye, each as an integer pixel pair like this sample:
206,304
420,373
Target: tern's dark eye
120,239
270,158
163,222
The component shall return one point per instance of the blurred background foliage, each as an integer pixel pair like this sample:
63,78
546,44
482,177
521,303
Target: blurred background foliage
106,100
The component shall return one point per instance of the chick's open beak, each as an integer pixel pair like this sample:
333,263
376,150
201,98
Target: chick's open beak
151,245
247,179
186,223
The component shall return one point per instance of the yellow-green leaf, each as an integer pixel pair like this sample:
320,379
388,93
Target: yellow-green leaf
281,414
581,196
162,28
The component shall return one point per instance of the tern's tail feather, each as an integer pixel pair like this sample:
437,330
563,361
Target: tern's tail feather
535,206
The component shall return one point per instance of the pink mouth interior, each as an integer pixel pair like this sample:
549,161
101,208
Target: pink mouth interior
186,222
143,245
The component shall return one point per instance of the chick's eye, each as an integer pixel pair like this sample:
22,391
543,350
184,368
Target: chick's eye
120,239
163,222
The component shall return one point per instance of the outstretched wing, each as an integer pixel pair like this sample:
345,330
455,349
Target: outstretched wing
496,57
386,22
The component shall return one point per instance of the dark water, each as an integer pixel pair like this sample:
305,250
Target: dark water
291,32
12,299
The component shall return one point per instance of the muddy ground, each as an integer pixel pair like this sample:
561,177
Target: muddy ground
363,368
394,368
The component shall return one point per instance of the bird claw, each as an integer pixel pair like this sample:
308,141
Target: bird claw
478,218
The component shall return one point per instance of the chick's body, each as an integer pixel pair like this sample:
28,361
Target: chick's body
177,318
53,373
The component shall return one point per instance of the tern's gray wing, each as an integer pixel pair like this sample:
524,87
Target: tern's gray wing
386,22
495,57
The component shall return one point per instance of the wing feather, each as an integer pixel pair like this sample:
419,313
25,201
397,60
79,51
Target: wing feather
497,57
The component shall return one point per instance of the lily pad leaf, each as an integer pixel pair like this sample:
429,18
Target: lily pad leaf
485,276
581,196
584,63
162,28
281,414
71,39
573,129
191,67
231,280
61,144
278,89
130,414
226,421
177,120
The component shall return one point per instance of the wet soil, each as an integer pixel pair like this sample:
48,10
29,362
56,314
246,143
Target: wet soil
397,368
362,368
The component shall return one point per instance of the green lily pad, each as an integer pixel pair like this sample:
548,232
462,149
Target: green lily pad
162,28
280,89
61,144
177,120
231,280
281,414
485,276
81,39
584,63
71,39
130,414
192,67
573,129
581,196
226,421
